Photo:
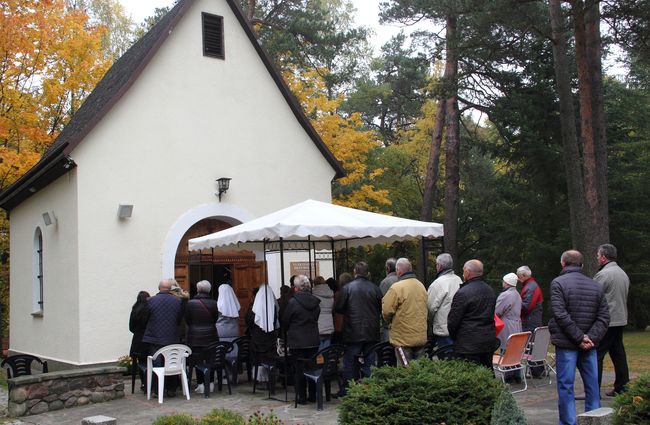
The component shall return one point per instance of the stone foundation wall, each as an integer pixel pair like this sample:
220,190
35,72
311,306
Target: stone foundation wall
35,394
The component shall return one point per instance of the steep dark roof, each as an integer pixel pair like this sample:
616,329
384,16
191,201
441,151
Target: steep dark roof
119,78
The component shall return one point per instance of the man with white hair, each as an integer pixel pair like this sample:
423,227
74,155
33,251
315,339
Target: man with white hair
531,300
201,317
404,308
439,296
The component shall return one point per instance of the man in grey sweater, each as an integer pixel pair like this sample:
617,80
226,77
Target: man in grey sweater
616,285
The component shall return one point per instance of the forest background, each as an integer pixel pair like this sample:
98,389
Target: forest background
498,121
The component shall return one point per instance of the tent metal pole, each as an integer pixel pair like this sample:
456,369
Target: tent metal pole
334,271
309,251
347,256
424,260
266,271
282,261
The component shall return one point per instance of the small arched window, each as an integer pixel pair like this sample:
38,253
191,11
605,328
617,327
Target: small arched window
38,273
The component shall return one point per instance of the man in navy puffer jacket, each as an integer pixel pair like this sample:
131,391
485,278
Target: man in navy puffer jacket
165,313
580,320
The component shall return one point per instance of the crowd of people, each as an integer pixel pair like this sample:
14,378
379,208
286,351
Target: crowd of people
587,318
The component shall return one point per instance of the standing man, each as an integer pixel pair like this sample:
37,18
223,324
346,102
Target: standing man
471,317
404,308
616,285
165,313
531,308
579,322
531,300
384,286
440,295
391,276
360,303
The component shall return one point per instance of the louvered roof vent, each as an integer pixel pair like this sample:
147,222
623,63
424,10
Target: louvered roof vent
213,36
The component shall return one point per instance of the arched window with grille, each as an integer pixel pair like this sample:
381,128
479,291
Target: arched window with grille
38,273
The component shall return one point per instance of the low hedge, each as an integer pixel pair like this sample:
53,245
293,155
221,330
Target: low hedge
431,392
219,417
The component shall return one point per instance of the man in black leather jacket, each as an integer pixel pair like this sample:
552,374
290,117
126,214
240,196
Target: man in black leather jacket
471,318
360,303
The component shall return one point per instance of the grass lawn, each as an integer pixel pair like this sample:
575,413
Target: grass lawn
637,348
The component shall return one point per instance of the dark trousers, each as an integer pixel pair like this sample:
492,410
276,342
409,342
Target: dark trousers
612,343
483,359
299,378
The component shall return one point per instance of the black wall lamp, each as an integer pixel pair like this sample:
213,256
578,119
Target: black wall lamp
223,184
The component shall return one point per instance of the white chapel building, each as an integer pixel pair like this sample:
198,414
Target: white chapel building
108,210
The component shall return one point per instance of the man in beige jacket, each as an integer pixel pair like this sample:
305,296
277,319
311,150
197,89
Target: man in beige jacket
440,295
404,308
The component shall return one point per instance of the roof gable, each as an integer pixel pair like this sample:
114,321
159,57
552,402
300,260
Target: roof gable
117,81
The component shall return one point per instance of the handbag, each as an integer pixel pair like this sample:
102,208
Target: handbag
498,324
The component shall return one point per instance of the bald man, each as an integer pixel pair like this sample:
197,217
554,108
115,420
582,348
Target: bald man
471,317
580,320
165,313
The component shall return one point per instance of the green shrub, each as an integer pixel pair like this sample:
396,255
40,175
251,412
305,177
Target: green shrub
506,411
633,406
426,392
176,419
258,418
222,417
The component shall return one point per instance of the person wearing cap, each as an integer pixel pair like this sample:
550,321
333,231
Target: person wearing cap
508,308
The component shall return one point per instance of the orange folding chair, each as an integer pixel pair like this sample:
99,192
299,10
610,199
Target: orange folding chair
511,358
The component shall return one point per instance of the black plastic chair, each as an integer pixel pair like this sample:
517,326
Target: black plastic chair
381,354
243,356
21,364
213,359
444,352
322,368
276,367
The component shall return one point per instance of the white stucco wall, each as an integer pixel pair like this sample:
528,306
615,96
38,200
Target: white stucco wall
187,121
55,335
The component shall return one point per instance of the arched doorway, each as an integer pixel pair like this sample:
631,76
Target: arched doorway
236,267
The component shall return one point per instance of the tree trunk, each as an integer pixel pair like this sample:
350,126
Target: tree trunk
572,161
594,55
452,144
250,14
588,137
434,163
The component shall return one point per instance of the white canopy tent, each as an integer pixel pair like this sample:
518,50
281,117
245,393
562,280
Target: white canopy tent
324,225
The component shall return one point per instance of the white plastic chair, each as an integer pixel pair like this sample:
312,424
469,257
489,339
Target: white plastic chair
538,351
175,356
510,359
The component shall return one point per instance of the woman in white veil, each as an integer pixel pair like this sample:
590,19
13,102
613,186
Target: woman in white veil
263,324
228,322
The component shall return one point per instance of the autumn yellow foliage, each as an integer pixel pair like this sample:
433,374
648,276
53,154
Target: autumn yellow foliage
345,137
50,59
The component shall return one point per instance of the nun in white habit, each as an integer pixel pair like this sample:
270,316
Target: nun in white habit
263,324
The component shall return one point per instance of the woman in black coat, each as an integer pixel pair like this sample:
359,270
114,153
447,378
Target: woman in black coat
201,318
137,325
300,322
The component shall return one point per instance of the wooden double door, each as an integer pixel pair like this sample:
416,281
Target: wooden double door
239,268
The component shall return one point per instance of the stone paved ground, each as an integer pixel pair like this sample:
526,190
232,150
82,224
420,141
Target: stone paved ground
539,405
